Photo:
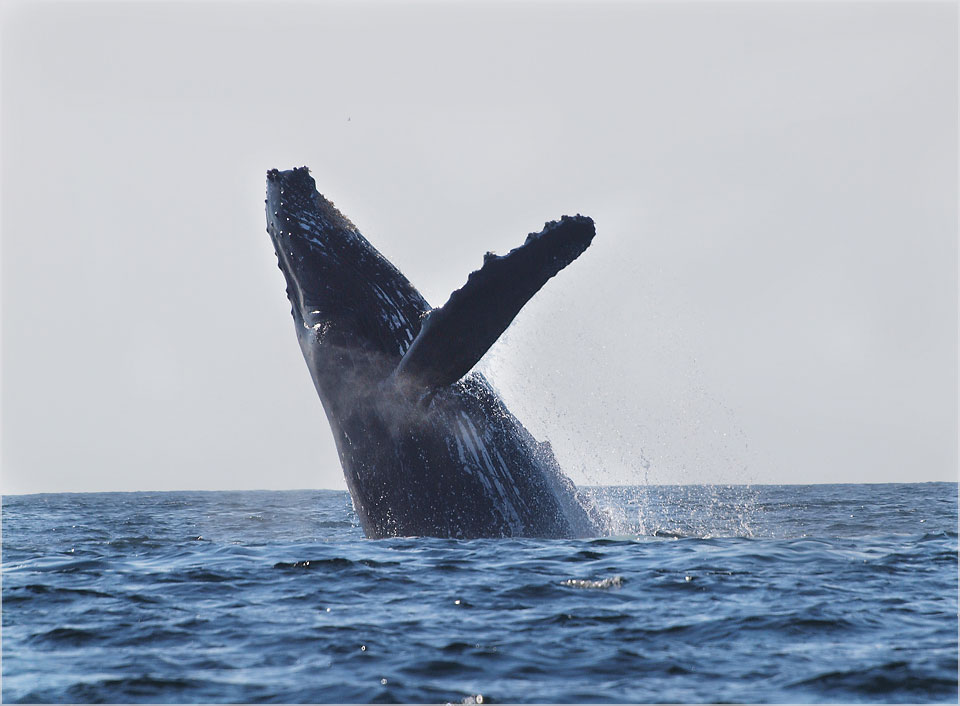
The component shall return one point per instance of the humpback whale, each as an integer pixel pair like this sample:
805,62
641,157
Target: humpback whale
427,447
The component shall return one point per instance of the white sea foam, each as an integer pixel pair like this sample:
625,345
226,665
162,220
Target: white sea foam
609,582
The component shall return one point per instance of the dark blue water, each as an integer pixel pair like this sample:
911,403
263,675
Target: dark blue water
774,593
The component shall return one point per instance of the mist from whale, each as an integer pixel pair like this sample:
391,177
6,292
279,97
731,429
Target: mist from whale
427,446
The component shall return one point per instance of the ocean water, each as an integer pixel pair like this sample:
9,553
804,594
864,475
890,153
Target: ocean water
756,594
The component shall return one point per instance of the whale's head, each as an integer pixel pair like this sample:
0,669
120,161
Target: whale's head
355,313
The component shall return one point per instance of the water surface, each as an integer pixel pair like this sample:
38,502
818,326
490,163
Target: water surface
771,593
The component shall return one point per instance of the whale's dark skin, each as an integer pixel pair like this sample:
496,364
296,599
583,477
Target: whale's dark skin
427,447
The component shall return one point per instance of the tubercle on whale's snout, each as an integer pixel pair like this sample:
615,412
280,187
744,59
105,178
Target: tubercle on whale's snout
275,174
296,188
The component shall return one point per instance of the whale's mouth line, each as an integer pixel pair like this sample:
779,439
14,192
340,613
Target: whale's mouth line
283,228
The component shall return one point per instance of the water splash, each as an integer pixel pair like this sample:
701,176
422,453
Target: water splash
624,449
678,511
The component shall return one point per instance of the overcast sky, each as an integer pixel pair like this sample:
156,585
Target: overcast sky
771,296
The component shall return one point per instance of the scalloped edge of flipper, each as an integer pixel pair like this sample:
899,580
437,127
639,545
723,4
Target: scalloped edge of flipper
454,337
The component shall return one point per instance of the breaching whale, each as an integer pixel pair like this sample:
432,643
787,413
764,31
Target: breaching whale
427,447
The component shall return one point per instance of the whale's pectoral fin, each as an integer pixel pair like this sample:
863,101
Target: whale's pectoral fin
454,337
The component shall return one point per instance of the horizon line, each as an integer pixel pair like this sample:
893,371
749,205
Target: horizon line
344,490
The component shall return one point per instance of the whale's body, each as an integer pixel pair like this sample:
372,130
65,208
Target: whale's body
427,447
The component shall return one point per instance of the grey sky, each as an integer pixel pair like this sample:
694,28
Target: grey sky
771,296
